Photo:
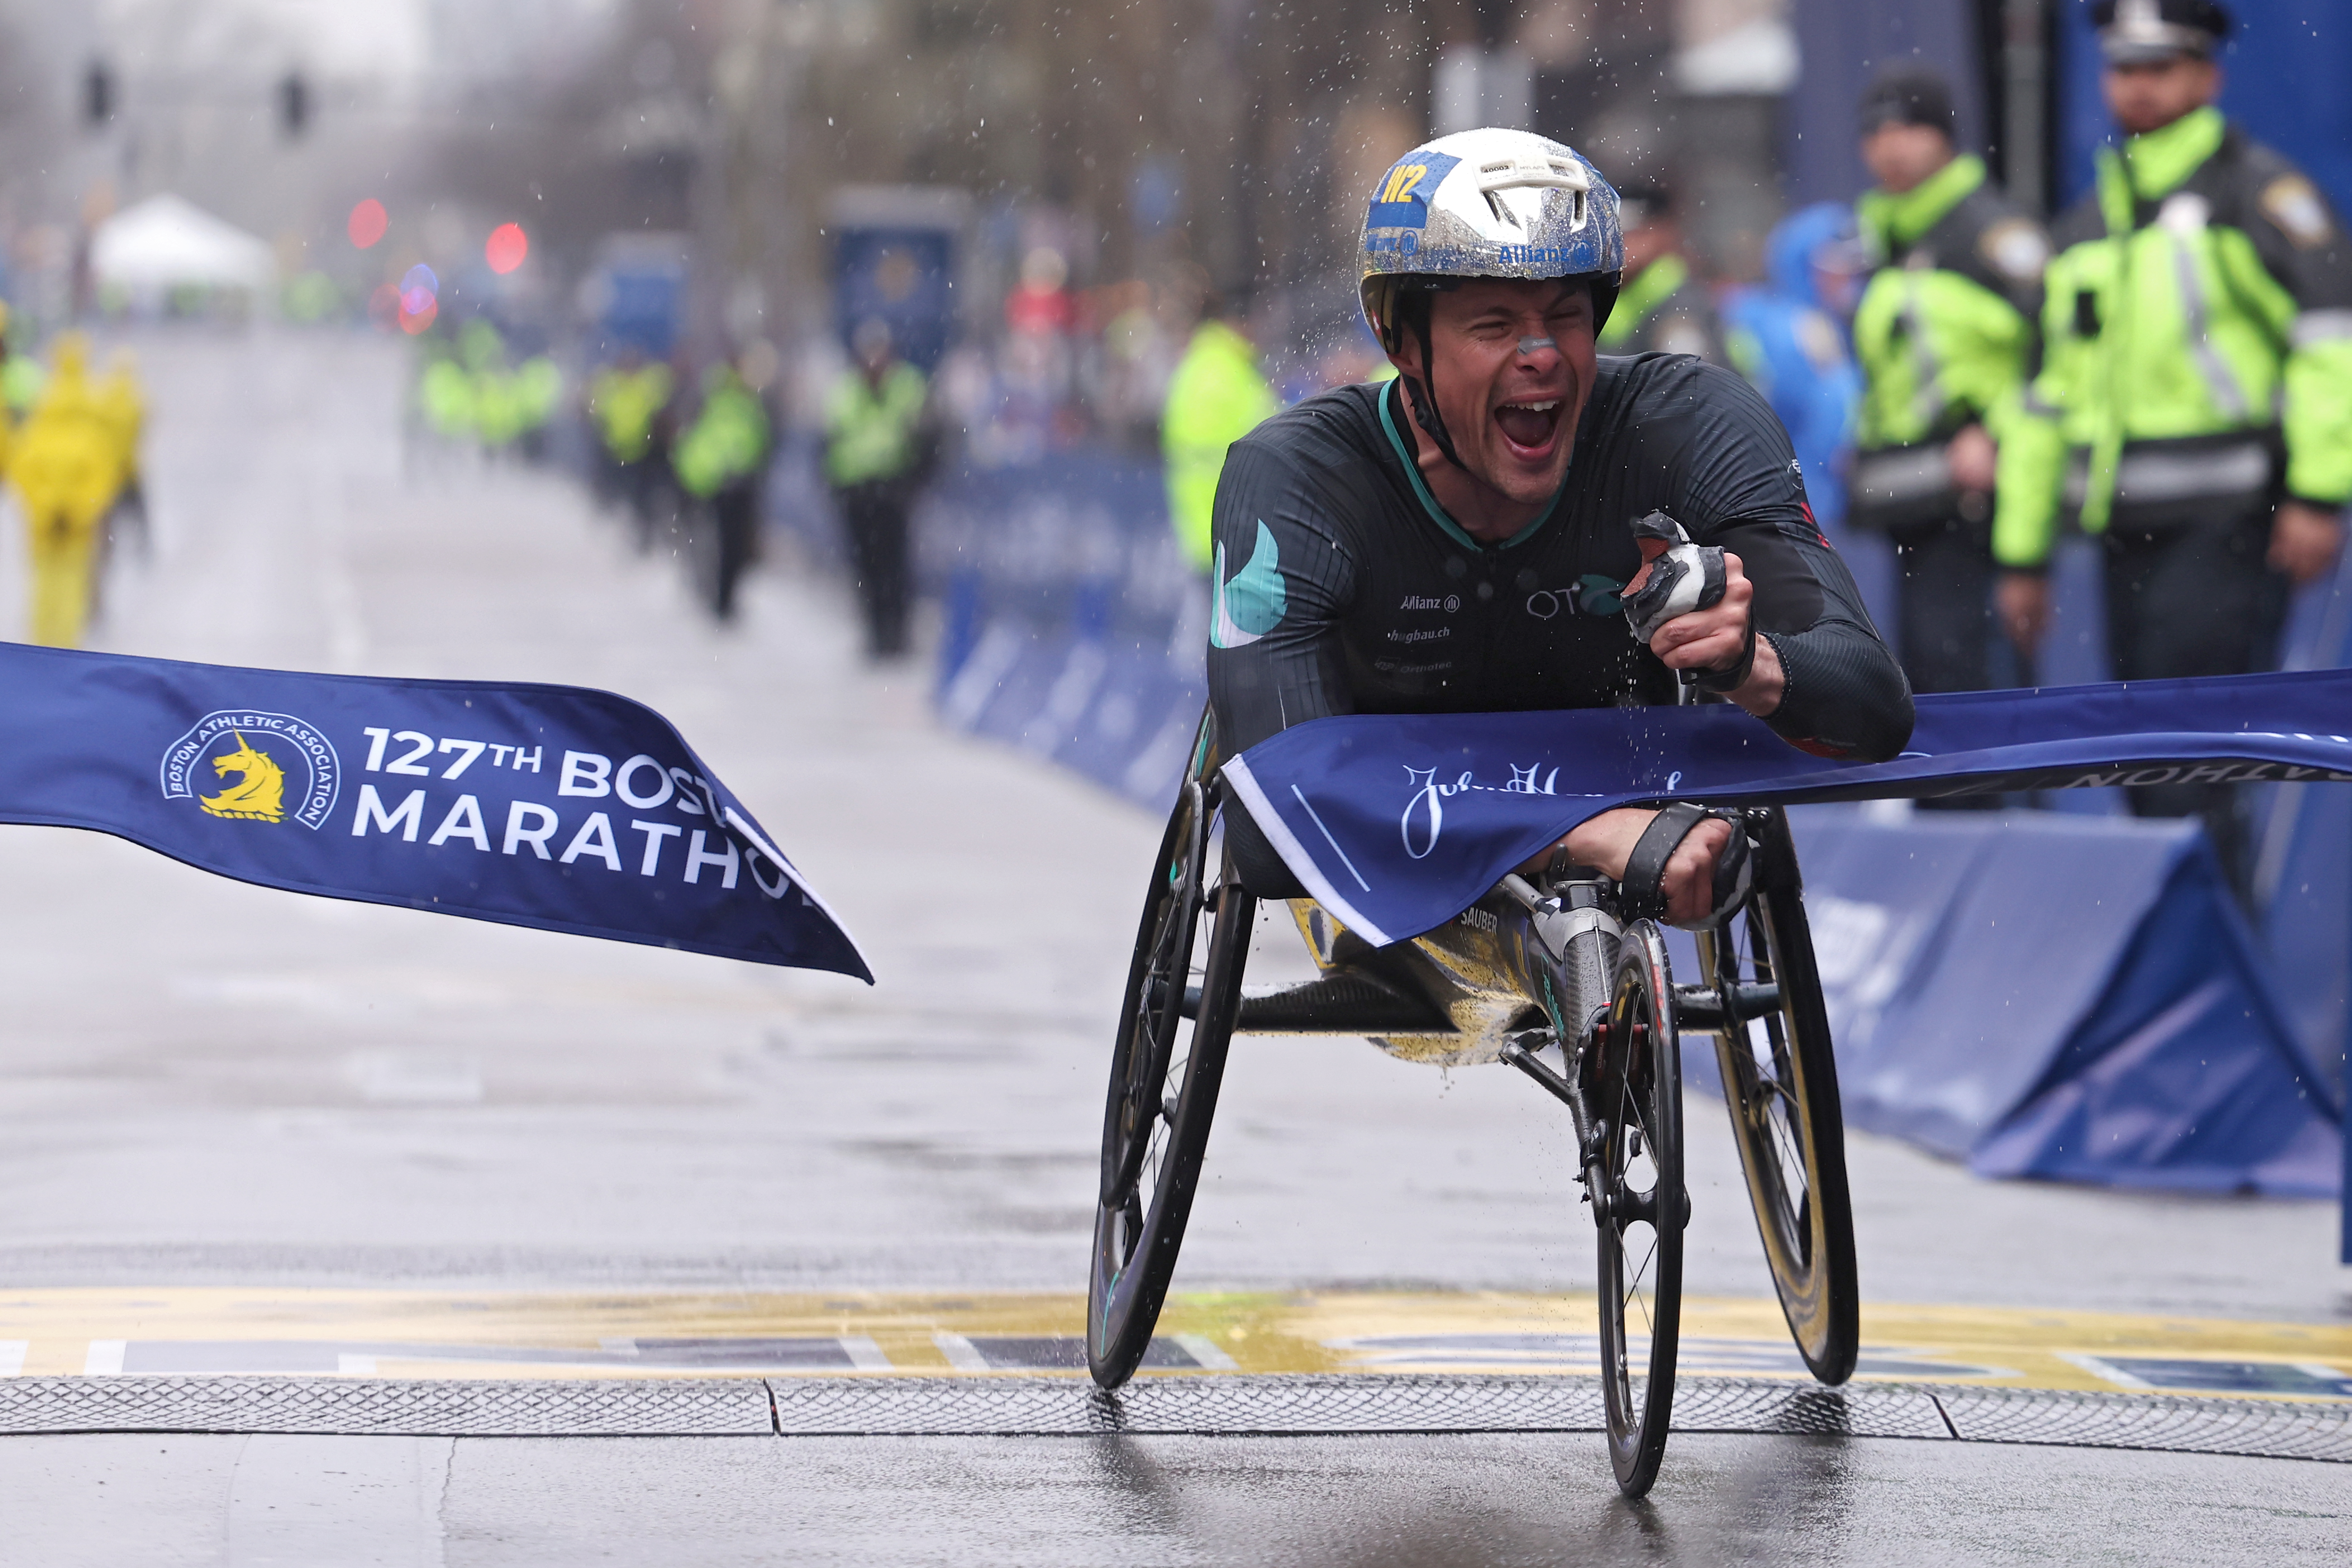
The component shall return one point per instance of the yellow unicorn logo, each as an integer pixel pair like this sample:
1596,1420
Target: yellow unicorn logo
259,793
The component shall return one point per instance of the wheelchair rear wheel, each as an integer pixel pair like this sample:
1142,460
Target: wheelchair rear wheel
1780,1081
1642,1207
1183,991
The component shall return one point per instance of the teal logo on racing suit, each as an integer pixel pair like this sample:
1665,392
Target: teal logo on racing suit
1253,603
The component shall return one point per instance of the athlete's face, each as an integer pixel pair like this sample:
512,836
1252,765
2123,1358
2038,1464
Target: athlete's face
1514,366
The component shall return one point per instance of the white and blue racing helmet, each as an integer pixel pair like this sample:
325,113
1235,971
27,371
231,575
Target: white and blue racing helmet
1490,203
1483,204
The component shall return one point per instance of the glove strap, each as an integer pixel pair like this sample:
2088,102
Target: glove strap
1724,683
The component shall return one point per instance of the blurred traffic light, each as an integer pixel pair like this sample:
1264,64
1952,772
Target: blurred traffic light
367,223
98,93
507,247
293,104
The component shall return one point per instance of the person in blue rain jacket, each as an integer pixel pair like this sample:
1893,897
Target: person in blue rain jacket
1787,336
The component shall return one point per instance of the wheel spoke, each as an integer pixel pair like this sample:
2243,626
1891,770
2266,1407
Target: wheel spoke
1633,1292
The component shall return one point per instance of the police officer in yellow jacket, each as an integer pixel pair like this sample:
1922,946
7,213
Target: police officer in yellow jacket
1944,338
1216,395
1664,306
877,453
2195,401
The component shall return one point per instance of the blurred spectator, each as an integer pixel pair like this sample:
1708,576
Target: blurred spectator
876,452
1787,338
627,400
722,458
67,467
1139,354
1945,334
21,377
7,409
1217,395
1037,363
1040,304
1663,306
124,407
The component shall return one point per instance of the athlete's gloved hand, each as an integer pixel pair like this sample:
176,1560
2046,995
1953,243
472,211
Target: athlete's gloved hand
1683,577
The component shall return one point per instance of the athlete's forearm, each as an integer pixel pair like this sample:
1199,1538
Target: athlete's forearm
1842,693
1766,684
1836,690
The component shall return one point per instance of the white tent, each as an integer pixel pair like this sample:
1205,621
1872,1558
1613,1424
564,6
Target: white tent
166,243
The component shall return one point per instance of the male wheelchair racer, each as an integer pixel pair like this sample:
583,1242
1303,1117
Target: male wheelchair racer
1564,976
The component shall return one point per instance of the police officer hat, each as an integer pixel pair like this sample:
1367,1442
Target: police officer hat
2147,32
1642,202
1910,95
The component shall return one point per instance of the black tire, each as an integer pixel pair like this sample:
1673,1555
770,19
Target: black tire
1640,1098
1780,1081
1165,1072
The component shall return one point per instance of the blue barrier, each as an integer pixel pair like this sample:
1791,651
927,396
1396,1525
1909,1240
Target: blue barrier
1072,627
2147,1050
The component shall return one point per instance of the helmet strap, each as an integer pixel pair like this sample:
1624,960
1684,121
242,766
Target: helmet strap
1425,400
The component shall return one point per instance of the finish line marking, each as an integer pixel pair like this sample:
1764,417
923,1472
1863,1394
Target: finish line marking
213,1330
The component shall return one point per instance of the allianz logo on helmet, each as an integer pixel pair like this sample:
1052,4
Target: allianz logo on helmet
1543,255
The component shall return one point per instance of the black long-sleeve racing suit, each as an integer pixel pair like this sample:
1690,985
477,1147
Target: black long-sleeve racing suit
1342,586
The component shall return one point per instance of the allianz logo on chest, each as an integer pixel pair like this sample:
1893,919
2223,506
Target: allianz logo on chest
1449,604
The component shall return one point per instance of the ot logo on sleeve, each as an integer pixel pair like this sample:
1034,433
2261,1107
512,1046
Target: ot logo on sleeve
248,766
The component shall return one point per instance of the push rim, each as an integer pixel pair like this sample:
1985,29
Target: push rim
1779,1084
1152,1029
1644,1208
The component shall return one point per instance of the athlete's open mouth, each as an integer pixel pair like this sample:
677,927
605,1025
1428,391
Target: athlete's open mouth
1530,426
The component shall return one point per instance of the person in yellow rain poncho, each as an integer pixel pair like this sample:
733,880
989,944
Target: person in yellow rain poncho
65,469
124,407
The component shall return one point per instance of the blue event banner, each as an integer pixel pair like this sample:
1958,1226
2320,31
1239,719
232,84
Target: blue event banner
553,806
1397,823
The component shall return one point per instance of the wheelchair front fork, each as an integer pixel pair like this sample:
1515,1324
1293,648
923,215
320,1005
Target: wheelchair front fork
1567,956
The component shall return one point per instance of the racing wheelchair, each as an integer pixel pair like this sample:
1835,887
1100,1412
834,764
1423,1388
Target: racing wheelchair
1566,983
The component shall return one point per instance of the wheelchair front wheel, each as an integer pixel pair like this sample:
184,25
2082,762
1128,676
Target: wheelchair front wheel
1642,1207
1183,991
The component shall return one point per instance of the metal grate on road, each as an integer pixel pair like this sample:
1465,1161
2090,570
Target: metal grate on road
386,1407
1014,1406
2173,1422
1311,1404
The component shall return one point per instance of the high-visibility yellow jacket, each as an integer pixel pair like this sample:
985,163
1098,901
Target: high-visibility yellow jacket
2197,317
1217,396
625,404
1663,309
870,430
727,441
1945,329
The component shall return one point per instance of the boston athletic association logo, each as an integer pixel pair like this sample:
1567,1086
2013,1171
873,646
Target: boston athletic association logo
249,766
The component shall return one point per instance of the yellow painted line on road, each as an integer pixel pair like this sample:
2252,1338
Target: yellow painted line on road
523,1334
